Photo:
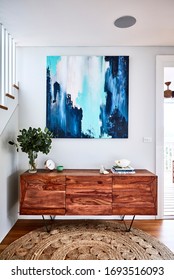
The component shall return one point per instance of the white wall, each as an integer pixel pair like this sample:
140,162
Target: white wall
91,153
8,176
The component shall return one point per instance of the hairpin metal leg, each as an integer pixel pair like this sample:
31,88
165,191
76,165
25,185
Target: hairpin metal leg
130,226
48,227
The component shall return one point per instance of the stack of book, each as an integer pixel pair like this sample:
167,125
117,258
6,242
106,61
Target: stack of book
123,170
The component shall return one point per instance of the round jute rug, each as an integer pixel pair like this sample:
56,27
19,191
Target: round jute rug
91,240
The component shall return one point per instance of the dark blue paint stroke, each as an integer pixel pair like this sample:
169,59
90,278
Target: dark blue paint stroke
73,119
56,90
48,101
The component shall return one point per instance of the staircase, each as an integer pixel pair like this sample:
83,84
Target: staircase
8,107
8,87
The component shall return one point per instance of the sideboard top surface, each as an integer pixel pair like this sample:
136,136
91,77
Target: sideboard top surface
88,172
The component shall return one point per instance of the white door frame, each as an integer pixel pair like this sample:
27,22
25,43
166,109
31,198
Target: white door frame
161,62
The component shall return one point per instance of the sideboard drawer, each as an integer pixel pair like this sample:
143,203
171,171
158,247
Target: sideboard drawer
135,195
100,183
88,195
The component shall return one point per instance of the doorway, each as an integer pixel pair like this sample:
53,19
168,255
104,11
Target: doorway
164,137
168,142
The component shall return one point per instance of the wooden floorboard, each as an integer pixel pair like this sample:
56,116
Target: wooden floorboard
163,230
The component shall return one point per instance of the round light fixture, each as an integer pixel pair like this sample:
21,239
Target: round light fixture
125,21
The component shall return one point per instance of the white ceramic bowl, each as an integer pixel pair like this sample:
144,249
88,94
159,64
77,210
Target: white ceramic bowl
122,162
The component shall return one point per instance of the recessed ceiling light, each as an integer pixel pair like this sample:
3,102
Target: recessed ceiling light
125,21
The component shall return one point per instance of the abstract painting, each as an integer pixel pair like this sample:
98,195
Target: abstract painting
87,96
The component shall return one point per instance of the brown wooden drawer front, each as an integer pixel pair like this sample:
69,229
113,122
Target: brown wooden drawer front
135,195
42,194
88,195
100,183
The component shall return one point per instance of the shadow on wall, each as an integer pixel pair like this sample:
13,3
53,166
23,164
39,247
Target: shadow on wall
12,196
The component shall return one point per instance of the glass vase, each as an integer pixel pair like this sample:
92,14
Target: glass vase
32,162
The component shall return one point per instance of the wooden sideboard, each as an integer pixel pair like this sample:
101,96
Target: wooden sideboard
87,192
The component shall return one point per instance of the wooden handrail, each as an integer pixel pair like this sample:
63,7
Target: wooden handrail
3,107
15,86
10,95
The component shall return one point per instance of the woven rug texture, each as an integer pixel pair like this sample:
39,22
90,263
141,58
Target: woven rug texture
90,240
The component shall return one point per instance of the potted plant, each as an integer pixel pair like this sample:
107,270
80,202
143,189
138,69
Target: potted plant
32,141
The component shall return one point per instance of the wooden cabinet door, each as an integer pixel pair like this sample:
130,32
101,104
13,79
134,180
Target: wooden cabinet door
88,195
42,194
134,195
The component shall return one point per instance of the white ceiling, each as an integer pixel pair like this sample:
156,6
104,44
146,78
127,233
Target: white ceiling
88,22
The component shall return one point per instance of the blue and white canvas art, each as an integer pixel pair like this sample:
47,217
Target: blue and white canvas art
87,96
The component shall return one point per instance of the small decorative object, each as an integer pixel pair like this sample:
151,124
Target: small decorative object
122,163
32,141
103,170
50,164
168,92
60,168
